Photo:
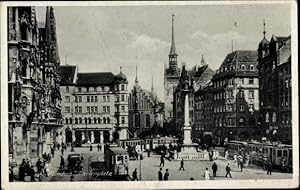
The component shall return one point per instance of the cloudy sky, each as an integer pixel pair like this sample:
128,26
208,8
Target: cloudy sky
101,39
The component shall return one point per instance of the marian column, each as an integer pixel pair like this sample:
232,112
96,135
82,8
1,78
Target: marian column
186,127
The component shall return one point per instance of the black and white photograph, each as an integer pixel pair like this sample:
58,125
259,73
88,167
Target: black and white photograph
123,94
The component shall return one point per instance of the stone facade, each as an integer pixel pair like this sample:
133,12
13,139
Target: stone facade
236,98
34,109
275,88
95,106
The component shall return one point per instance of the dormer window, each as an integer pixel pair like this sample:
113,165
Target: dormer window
251,67
243,67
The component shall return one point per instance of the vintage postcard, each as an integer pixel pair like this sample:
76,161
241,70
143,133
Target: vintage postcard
149,95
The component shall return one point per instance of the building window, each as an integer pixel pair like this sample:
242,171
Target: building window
67,99
92,109
104,98
241,93
96,99
88,98
67,89
76,99
243,67
242,108
251,81
274,117
96,109
80,109
123,87
99,120
88,109
76,109
67,109
123,108
90,120
67,121
108,120
80,120
76,120
267,117
251,67
122,97
108,98
108,109
123,120
251,94
80,99
92,98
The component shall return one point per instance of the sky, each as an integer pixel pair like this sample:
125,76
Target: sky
105,38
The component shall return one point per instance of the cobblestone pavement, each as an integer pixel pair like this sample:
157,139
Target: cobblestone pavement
195,169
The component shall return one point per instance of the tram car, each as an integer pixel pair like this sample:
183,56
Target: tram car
279,154
236,148
116,159
137,144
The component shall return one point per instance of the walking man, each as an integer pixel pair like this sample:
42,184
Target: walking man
32,174
166,176
181,165
160,175
134,175
228,169
162,161
269,167
214,169
242,165
62,162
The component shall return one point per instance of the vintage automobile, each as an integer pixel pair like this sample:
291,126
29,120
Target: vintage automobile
74,163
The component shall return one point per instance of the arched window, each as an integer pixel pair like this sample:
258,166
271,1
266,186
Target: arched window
267,117
80,120
243,67
95,120
274,117
85,120
147,121
90,120
71,121
67,121
108,120
251,67
99,120
104,120
76,120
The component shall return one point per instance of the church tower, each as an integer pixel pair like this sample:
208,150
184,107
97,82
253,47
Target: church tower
171,77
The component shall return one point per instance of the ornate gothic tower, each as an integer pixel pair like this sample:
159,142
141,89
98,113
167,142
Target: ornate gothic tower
171,77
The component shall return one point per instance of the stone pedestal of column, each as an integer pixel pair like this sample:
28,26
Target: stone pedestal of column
82,135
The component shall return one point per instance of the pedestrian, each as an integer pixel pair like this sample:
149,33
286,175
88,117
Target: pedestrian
181,165
39,165
22,171
226,155
166,176
148,152
214,169
269,167
134,175
98,147
11,175
160,175
62,162
210,156
206,174
242,165
32,174
235,158
228,169
162,161
91,147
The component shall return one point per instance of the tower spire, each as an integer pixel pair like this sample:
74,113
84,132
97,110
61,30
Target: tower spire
264,32
152,87
202,60
173,48
136,75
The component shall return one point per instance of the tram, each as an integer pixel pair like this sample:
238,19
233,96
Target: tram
116,159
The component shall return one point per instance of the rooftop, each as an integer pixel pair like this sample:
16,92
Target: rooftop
98,78
67,73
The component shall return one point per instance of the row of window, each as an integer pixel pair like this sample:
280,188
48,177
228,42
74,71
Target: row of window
232,81
231,108
230,94
94,98
104,120
242,67
123,87
89,109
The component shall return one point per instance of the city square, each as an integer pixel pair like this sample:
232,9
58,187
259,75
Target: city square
150,93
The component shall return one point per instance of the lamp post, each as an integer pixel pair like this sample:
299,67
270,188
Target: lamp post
72,140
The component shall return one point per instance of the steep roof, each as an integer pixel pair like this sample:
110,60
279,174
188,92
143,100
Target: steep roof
67,74
100,78
239,57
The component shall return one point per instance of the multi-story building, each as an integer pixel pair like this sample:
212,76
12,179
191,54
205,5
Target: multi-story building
274,59
171,78
95,106
142,115
34,110
203,125
236,98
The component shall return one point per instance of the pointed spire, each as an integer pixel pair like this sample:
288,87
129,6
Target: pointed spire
152,87
264,32
136,75
202,60
173,48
